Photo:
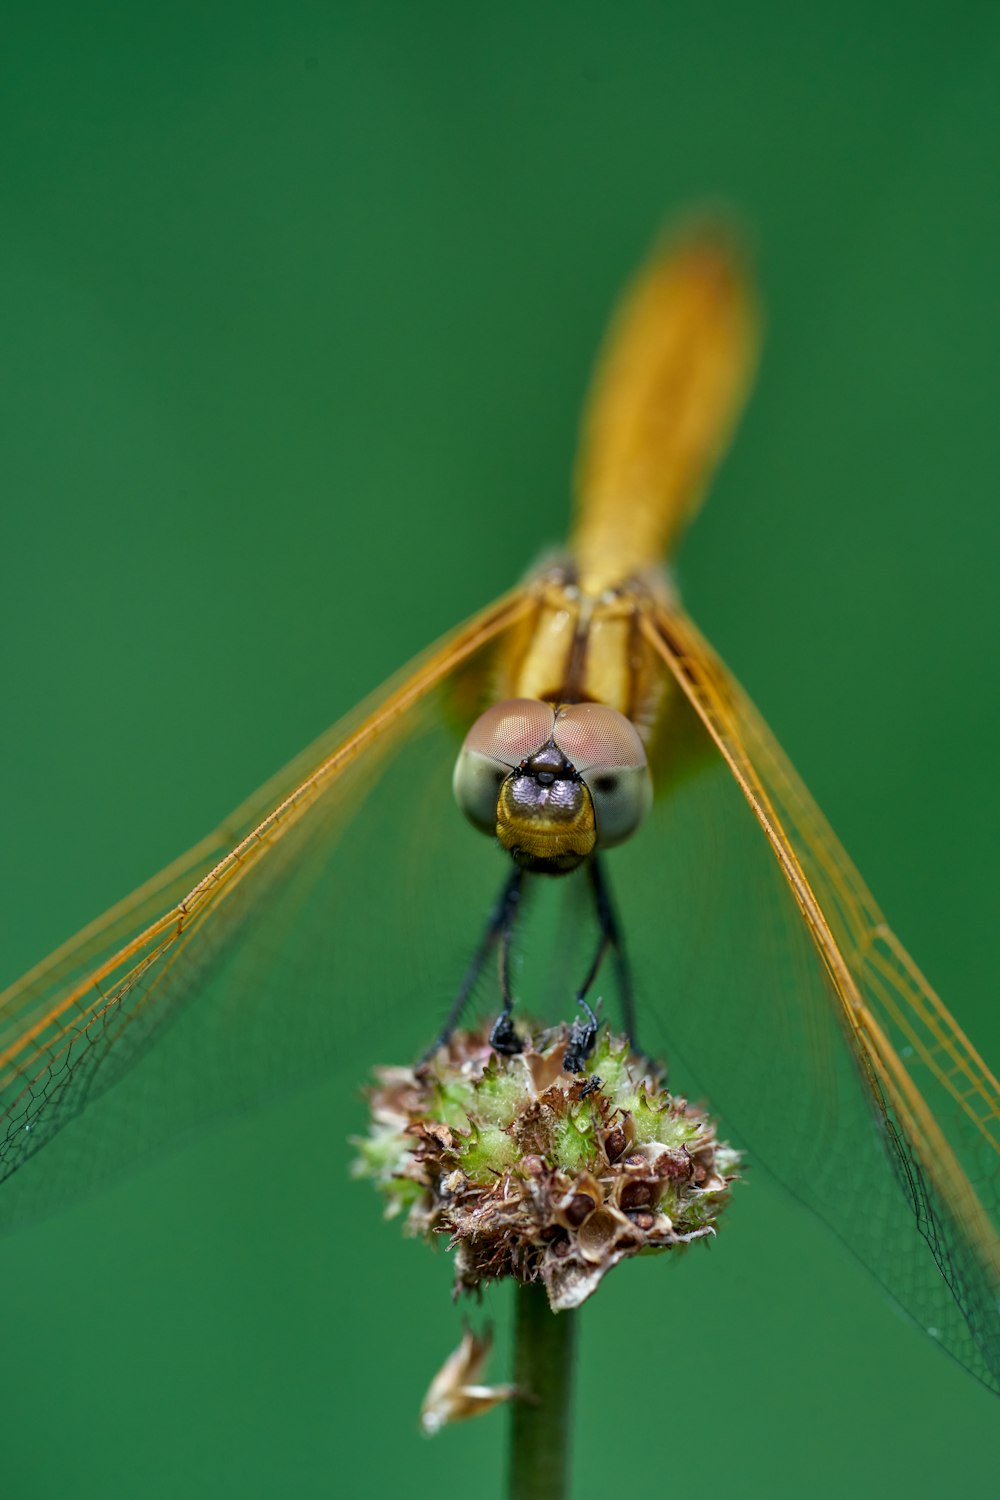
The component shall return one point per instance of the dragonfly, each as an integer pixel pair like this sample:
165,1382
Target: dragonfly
585,726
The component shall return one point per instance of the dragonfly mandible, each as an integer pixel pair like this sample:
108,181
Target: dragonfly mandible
587,712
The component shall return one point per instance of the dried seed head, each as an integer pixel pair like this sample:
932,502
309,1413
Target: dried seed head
540,1174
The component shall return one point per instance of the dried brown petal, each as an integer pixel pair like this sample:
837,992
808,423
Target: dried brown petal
457,1393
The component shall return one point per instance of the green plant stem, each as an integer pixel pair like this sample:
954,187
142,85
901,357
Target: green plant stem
540,1419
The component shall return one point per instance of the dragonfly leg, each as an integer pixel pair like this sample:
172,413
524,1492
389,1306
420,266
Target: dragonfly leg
584,1032
503,1037
501,919
608,921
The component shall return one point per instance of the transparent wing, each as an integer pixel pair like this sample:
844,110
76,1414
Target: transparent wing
771,977
255,958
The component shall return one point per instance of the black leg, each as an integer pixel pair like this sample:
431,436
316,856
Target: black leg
503,1037
500,922
584,1033
608,922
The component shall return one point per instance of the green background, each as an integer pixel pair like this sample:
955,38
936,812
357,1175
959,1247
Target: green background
296,309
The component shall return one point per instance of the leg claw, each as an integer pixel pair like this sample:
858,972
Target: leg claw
504,1039
582,1036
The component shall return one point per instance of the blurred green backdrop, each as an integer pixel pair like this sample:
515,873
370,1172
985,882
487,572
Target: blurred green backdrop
296,303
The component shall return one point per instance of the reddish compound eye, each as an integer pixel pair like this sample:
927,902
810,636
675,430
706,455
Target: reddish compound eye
608,752
498,741
509,732
591,734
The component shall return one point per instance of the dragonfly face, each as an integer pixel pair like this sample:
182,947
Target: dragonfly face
553,781
760,958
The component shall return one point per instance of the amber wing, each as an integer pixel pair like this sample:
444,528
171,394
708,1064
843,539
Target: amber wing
918,1086
229,943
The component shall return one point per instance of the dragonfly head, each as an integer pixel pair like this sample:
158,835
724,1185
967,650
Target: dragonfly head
553,781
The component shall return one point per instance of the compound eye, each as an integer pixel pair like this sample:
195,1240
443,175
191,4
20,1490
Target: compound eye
498,741
621,798
608,752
